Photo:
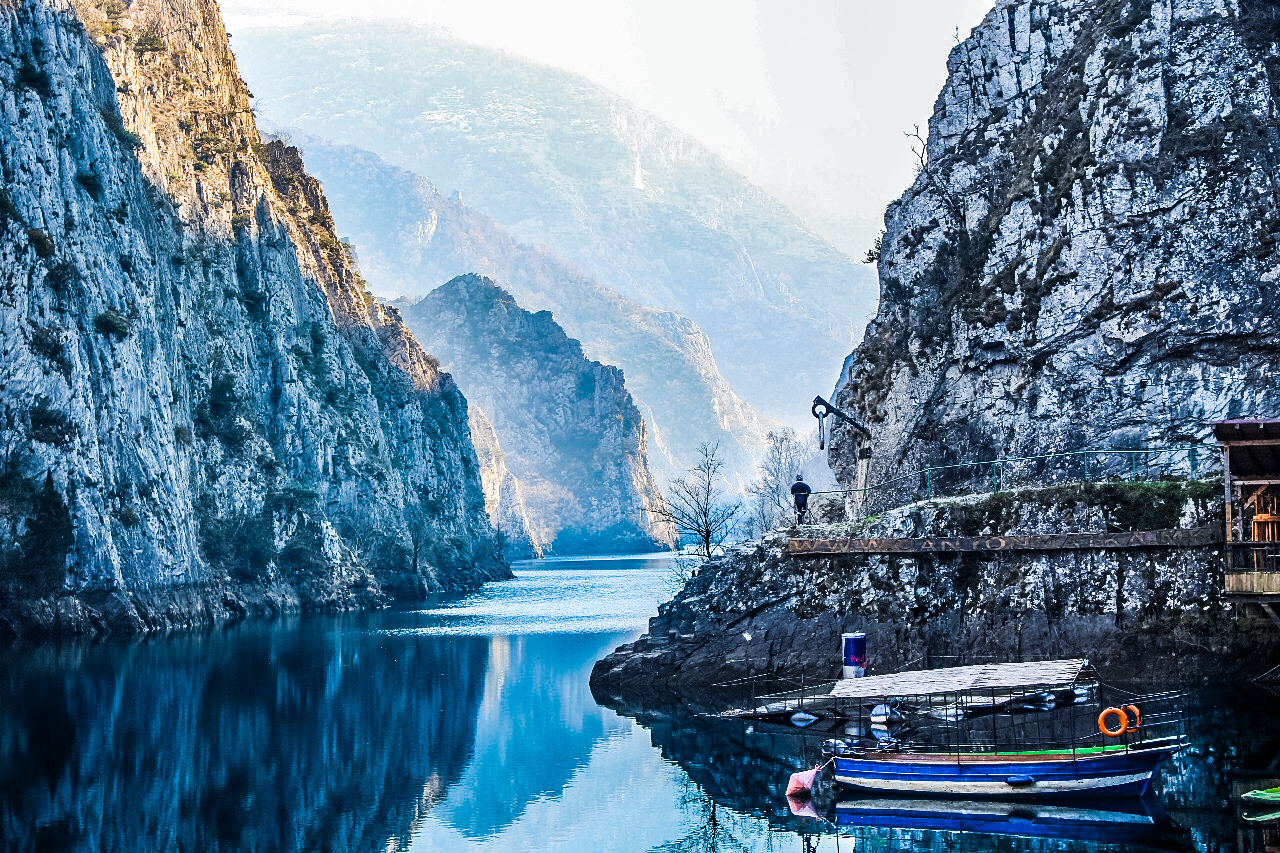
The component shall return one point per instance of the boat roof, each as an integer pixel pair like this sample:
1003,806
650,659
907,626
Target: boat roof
965,679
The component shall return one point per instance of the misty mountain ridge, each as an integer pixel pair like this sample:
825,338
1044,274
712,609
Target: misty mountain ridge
406,232
610,189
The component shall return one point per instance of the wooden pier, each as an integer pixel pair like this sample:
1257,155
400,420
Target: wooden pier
1251,482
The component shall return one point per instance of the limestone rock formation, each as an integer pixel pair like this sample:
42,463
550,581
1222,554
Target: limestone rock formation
503,499
409,234
1088,256
570,431
1141,613
204,412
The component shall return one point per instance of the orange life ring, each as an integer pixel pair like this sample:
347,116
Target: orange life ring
1132,711
1121,718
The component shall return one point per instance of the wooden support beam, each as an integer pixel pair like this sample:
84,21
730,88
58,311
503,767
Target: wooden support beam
1270,610
1226,487
1253,497
1193,538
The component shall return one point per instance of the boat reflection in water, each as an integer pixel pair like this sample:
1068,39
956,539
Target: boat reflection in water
1124,822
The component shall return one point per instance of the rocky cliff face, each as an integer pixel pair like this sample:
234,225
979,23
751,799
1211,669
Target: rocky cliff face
411,236
571,433
204,411
1141,613
1088,256
503,496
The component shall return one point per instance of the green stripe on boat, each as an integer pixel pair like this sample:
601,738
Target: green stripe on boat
1270,795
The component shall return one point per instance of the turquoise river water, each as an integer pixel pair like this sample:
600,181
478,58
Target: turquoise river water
466,724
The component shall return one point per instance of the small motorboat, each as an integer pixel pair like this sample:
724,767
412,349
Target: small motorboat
1020,731
1086,771
1270,796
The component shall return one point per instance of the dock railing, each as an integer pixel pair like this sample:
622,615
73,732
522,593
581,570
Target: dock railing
1253,569
1183,461
925,725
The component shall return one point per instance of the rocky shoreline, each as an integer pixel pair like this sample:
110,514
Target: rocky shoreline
1139,614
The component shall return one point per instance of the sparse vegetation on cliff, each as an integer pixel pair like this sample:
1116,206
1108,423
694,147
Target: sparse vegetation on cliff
167,447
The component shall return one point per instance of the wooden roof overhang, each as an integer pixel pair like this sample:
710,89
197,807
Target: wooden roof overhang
967,679
1252,450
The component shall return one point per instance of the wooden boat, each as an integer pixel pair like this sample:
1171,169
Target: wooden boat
1086,772
1003,731
1267,795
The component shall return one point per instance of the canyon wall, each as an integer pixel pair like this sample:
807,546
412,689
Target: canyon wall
570,431
1088,256
205,414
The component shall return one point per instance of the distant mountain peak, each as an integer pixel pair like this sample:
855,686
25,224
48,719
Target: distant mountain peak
615,192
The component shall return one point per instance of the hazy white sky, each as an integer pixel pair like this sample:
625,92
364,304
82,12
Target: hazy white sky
809,98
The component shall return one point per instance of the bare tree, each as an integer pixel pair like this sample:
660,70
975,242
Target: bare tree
696,506
924,166
784,457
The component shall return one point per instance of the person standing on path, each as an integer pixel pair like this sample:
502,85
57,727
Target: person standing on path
800,493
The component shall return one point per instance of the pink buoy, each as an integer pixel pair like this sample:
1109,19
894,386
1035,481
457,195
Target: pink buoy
803,807
802,783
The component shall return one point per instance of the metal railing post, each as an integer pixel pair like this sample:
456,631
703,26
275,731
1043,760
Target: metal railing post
858,500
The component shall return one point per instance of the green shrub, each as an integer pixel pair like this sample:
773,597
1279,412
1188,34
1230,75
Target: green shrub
47,343
63,277
240,546
1260,23
182,434
207,145
240,222
50,426
129,516
223,413
115,124
112,323
149,42
303,554
294,496
8,210
35,79
46,542
91,182
41,242
255,302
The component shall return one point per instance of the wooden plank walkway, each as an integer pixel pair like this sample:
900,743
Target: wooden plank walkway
1195,537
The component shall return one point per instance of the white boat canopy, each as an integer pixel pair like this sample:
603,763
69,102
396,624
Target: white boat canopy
966,679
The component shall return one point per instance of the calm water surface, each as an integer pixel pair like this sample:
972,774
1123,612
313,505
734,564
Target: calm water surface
466,724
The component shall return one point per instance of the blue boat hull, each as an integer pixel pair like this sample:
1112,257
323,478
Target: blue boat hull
1125,773
1099,822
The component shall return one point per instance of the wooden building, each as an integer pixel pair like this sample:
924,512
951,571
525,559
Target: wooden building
1251,466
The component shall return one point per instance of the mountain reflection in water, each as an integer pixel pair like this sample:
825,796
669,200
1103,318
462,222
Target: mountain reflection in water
467,724
280,737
